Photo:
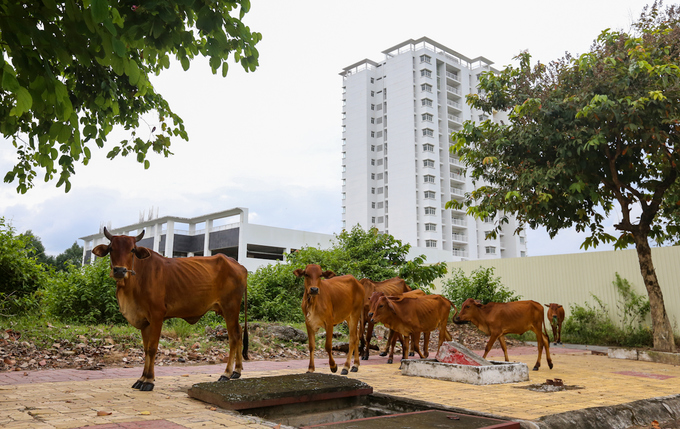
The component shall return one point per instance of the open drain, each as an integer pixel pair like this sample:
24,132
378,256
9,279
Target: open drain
308,400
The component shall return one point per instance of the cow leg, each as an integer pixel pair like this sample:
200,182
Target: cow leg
406,339
235,344
392,342
150,336
391,338
553,325
353,350
311,337
489,344
546,343
426,345
504,346
415,344
367,343
328,326
559,332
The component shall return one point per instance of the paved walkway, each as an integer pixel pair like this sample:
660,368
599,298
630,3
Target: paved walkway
75,399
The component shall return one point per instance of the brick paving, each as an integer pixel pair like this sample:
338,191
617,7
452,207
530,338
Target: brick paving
77,399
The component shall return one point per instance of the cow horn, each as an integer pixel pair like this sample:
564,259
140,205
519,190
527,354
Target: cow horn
107,234
139,237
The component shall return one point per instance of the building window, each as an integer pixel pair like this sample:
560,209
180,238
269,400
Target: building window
372,176
430,243
372,205
379,120
344,155
522,254
372,93
372,161
425,73
372,106
373,120
426,102
425,59
379,148
381,219
427,132
428,163
380,191
430,195
488,219
483,118
344,195
378,134
372,190
429,178
427,117
373,219
380,161
490,250
521,240
380,176
426,87
430,227
427,147
372,133
372,80
372,148
430,211
380,205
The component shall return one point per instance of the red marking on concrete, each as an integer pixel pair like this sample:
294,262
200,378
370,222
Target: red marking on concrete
457,357
645,375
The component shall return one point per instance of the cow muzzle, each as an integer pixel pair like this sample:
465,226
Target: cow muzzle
313,290
121,272
457,321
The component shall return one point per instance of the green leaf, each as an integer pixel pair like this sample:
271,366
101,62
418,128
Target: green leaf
132,71
119,47
24,102
100,10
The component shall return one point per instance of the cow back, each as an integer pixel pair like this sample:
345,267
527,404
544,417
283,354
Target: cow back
418,313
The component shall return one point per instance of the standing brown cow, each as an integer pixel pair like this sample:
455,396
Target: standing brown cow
413,314
151,288
393,286
327,301
556,317
497,319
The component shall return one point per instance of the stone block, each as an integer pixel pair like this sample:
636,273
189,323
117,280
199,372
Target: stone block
453,352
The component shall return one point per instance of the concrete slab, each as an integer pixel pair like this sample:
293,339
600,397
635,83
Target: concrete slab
454,352
644,355
246,393
497,373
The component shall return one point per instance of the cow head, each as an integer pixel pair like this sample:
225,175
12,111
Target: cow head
381,309
372,302
312,275
123,250
468,310
553,312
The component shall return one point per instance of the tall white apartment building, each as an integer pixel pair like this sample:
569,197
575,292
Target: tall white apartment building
398,173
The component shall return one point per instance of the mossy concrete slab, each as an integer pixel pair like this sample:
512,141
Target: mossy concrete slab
246,393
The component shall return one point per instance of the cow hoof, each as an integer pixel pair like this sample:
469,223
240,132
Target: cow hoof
536,368
137,384
550,365
364,357
235,375
383,354
146,387
334,369
412,354
223,378
554,344
344,371
560,343
354,369
389,360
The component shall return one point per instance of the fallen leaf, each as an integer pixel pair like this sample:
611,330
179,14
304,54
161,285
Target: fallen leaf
103,413
185,375
145,413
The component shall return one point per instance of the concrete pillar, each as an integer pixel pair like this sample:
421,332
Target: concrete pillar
206,242
192,232
242,245
170,239
157,228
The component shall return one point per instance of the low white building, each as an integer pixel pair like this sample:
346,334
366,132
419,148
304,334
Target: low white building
226,232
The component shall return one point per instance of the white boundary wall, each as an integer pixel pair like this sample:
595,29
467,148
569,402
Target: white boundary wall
572,278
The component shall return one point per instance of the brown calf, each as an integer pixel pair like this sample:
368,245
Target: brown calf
556,317
497,319
393,286
327,301
411,314
151,288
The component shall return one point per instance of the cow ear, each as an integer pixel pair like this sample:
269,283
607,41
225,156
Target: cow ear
547,305
559,306
299,272
101,250
478,303
390,304
142,252
328,274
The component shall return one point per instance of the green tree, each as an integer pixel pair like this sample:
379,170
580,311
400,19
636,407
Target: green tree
71,71
481,284
71,256
584,137
36,249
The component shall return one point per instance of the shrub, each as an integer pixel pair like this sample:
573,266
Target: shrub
481,285
275,294
83,295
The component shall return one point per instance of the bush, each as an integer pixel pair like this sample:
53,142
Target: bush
20,274
83,295
275,294
481,285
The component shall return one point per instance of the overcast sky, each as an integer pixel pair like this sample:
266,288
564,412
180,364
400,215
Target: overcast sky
271,140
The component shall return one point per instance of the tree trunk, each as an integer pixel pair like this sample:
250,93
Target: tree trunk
663,331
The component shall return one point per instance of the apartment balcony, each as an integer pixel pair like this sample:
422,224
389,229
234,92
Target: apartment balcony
455,119
456,177
454,160
453,76
460,252
458,222
453,90
459,238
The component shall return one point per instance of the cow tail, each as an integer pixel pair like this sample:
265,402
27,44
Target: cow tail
545,330
245,326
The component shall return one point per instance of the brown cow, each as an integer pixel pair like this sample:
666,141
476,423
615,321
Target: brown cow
393,286
394,336
556,317
497,319
413,314
327,302
151,288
